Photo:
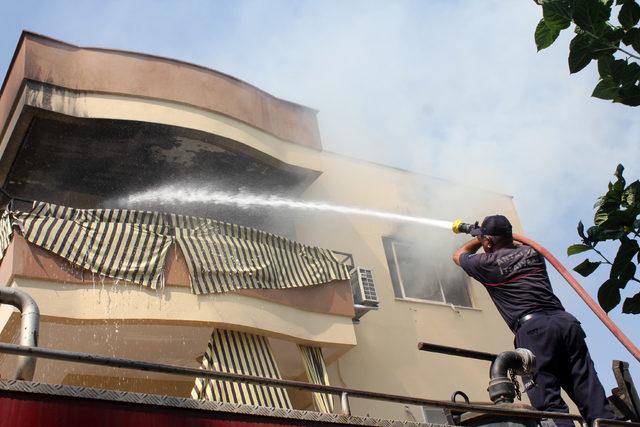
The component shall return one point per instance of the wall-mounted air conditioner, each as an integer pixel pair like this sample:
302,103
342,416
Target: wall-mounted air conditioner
365,297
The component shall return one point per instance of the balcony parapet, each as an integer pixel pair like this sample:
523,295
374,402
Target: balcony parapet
319,313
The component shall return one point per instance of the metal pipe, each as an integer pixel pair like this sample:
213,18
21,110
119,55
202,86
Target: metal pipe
29,325
344,402
200,373
455,351
501,388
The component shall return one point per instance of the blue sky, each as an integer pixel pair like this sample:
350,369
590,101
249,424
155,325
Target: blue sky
453,89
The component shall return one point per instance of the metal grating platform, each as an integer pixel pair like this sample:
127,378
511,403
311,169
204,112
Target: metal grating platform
186,403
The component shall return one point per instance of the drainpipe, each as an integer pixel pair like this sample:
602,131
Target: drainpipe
501,389
29,325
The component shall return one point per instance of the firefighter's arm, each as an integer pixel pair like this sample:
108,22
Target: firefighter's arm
471,246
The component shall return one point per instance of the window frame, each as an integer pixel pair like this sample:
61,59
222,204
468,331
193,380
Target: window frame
389,243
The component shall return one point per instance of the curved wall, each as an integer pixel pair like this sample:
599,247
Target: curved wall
43,59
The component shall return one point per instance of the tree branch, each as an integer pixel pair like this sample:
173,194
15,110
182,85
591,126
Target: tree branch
603,257
611,45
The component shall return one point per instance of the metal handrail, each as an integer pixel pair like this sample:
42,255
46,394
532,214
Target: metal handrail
29,326
344,393
602,421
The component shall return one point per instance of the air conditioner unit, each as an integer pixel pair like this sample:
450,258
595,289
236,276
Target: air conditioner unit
365,297
364,291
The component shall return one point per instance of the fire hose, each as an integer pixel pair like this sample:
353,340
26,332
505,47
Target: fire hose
460,227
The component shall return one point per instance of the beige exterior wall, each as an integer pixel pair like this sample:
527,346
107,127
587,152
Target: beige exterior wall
172,305
385,358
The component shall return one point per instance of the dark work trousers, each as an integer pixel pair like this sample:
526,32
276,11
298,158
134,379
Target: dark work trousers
562,360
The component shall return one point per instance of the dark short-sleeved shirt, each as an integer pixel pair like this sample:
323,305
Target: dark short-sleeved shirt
516,279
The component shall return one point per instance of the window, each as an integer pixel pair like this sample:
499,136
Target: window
425,271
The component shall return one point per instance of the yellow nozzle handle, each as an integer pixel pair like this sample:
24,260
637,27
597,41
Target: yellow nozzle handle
460,227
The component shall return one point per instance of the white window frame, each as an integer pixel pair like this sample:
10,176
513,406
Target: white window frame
443,301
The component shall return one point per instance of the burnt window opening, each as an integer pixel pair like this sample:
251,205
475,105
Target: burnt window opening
424,271
89,163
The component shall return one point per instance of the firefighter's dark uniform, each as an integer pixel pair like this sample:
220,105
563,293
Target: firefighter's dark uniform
517,281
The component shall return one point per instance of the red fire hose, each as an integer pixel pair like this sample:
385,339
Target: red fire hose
582,294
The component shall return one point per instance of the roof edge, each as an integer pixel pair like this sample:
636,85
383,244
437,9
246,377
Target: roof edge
26,33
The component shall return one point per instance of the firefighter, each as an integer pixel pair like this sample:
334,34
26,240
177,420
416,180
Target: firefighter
516,278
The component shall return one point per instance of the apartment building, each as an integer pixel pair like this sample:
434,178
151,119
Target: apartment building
97,147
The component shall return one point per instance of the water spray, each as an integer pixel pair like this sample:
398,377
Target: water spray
175,194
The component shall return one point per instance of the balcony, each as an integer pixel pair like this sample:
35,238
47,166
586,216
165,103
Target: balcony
88,312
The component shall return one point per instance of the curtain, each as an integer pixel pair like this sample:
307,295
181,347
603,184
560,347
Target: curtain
240,353
317,374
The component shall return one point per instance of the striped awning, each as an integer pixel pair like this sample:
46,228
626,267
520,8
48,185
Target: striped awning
122,244
240,353
132,245
5,232
222,256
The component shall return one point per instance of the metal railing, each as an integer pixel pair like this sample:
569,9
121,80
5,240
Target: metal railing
29,327
344,393
603,422
345,258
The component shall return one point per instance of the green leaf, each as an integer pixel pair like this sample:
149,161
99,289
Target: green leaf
581,230
609,295
619,219
590,15
627,273
586,267
579,53
618,187
613,35
630,95
606,89
611,201
593,233
557,14
545,36
614,234
620,71
631,195
576,249
632,305
625,254
632,38
604,66
597,234
601,216
629,14
629,73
